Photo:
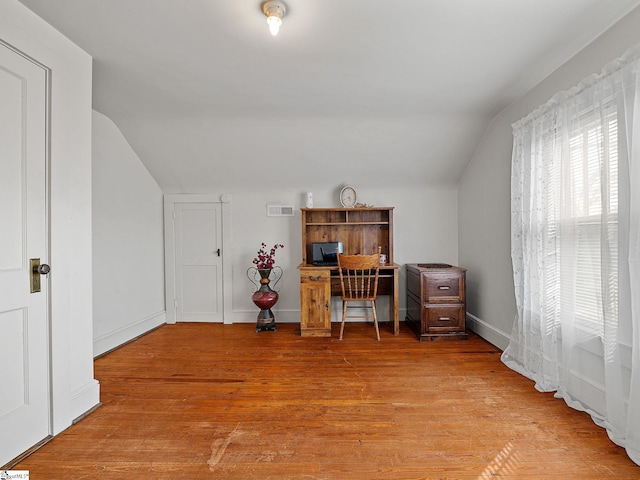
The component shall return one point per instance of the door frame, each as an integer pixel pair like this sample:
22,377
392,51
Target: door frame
170,200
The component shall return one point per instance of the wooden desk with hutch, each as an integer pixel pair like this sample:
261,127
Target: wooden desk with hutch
361,230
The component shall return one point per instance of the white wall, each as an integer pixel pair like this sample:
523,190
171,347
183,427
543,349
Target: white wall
484,192
74,390
128,268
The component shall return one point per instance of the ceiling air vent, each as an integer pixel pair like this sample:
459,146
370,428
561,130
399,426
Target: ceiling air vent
279,210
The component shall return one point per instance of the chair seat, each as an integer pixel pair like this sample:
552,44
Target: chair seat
360,299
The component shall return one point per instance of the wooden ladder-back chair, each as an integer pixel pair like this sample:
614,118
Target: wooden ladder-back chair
359,282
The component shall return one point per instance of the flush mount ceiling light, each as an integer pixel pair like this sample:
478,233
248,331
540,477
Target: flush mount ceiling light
274,10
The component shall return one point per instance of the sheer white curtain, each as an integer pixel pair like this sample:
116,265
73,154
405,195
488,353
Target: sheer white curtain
575,227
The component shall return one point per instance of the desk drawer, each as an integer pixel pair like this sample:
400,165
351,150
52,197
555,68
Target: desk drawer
320,275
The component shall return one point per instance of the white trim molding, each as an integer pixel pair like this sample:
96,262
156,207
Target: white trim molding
123,335
491,334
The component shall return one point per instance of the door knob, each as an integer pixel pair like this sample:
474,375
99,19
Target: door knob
44,269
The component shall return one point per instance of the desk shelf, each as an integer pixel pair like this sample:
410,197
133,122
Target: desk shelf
361,230
320,224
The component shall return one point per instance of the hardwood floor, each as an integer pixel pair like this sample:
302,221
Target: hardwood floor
203,401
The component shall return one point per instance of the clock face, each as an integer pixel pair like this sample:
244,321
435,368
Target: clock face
348,196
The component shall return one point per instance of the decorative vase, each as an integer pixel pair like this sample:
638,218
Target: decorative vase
265,297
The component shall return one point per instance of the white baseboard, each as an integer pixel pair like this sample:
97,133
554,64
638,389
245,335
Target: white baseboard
125,334
250,316
81,400
85,399
491,334
293,316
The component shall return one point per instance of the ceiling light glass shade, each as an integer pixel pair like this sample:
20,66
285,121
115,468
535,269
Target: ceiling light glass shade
274,11
274,24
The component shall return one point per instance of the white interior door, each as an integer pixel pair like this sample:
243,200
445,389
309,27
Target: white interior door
198,262
24,354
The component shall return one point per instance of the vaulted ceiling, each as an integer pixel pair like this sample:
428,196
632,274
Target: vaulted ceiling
395,93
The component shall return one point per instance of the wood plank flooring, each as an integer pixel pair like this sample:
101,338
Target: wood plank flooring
210,401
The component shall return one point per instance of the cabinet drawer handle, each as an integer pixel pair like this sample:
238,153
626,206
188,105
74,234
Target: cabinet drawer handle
444,287
444,319
315,279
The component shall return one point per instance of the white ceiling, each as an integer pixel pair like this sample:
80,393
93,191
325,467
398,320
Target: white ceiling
396,93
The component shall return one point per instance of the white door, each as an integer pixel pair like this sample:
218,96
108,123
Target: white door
198,262
24,354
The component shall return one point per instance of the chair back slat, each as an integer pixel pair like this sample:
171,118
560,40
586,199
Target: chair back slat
359,275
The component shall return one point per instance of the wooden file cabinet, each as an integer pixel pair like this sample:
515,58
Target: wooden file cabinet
436,302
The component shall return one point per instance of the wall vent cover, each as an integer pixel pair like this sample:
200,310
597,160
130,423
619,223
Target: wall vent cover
279,210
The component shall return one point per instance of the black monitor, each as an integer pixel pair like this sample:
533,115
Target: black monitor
324,253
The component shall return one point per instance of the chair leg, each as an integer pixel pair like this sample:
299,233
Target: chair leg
375,319
344,315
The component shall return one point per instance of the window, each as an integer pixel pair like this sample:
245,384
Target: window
583,206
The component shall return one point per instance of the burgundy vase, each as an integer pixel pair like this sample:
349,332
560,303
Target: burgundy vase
265,298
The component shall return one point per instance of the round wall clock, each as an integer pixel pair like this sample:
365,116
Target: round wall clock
348,196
